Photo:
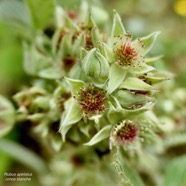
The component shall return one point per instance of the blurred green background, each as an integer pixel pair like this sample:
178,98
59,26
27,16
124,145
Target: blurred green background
140,17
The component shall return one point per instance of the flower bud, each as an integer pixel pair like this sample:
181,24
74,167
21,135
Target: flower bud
95,65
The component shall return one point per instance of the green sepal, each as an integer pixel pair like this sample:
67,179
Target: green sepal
95,65
71,24
79,42
95,35
156,77
118,29
146,43
50,73
116,77
83,53
90,22
151,60
41,102
127,99
85,128
65,46
114,102
116,115
71,116
56,142
101,135
142,69
75,85
42,129
55,40
133,83
37,117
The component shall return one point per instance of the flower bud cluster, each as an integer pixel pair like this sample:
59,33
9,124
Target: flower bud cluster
88,81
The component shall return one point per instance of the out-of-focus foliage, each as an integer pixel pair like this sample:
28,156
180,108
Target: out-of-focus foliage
11,71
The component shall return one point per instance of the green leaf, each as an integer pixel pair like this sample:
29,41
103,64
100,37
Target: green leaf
40,11
118,29
14,13
147,42
95,64
151,60
50,73
7,116
116,77
101,135
71,116
34,61
75,85
142,69
132,83
22,154
175,174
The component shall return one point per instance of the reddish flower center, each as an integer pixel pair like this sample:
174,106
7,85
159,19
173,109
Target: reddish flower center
127,133
127,54
91,99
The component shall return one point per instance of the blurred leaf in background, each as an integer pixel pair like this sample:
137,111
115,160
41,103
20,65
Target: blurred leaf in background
14,24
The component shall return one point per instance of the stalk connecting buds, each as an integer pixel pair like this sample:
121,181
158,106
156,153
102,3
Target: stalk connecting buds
124,133
91,99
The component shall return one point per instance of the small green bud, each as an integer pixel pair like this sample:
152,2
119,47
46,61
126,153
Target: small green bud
95,65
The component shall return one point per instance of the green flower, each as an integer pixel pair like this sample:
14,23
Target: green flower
88,101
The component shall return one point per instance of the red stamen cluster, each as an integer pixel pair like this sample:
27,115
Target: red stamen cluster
126,54
124,132
91,100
